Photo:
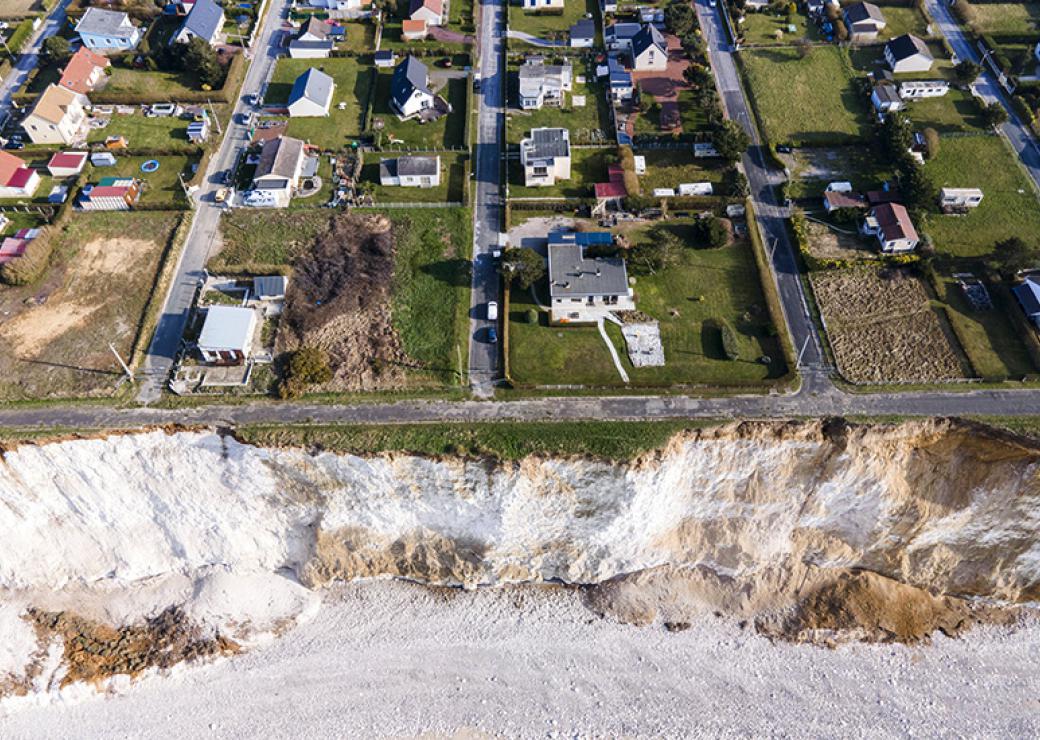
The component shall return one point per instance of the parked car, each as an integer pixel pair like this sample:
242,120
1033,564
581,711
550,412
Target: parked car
492,311
492,336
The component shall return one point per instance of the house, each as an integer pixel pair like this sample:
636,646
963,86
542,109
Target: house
584,289
346,8
413,30
110,194
917,89
84,71
17,179
278,171
544,84
434,12
542,4
864,22
649,49
67,164
205,21
959,200
612,192
312,42
892,226
311,95
108,30
410,172
908,53
834,200
546,156
1028,295
227,334
410,92
270,287
198,131
618,36
56,117
583,34
384,58
886,98
620,80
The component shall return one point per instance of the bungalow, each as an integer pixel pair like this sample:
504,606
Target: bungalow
410,172
270,287
311,95
108,30
908,53
864,21
542,4
612,192
649,50
67,164
110,194
312,42
959,200
1028,295
56,117
278,171
917,89
835,200
17,180
413,30
84,71
583,289
544,84
205,21
546,156
410,92
434,12
892,226
583,34
886,98
227,334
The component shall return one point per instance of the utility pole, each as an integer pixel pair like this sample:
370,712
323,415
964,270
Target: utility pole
184,187
216,120
129,375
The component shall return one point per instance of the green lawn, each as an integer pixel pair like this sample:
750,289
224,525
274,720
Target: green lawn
761,28
811,100
588,166
901,20
144,133
353,82
667,168
160,85
691,116
161,187
553,27
360,39
1009,18
813,168
446,132
955,111
1009,205
588,124
452,187
265,238
321,197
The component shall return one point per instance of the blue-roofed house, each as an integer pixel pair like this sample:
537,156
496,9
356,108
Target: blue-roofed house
311,94
108,30
1028,295
621,86
205,21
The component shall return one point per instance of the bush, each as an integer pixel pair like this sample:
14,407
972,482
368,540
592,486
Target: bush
31,266
628,167
965,12
713,231
307,366
531,316
730,348
931,142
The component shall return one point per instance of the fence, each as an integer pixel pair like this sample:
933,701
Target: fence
380,206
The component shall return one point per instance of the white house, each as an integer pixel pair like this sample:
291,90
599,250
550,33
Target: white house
917,89
312,42
908,53
886,98
66,164
347,8
108,30
959,199
311,95
864,21
546,156
227,335
649,50
410,172
410,92
278,173
17,179
544,84
892,226
542,4
205,21
583,289
434,12
583,34
57,116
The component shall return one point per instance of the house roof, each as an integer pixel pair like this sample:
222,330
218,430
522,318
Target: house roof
9,165
417,166
546,143
315,27
611,190
80,67
384,55
534,75
409,25
409,75
54,103
313,85
65,160
960,192
620,31
572,274
318,45
436,6
835,199
887,93
204,19
273,285
894,222
279,158
100,22
859,12
619,77
20,177
583,29
1028,294
647,37
876,197
907,46
227,327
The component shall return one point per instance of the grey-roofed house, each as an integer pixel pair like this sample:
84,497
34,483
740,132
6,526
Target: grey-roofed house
583,34
270,287
227,334
618,36
908,53
410,172
584,289
108,30
544,84
278,171
410,93
313,41
311,94
649,49
546,157
1028,295
864,21
886,98
205,21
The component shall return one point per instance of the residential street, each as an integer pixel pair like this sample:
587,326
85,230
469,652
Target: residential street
205,228
27,62
487,206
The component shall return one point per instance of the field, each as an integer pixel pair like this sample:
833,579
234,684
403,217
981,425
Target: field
883,329
553,27
361,37
160,85
901,20
16,8
588,124
144,133
667,168
1007,18
444,133
334,131
761,28
829,244
56,332
955,111
1009,205
452,187
265,240
805,101
814,167
588,166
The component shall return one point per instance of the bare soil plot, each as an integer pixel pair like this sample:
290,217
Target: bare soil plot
18,8
883,328
830,244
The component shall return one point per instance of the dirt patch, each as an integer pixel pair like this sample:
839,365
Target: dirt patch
340,300
829,244
882,327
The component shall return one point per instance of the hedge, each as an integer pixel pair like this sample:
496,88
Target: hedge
32,264
20,36
769,288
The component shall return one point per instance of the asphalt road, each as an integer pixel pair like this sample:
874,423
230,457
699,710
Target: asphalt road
27,61
205,227
487,209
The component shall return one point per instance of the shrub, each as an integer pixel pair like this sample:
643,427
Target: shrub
730,348
931,142
628,167
31,265
965,12
307,366
531,316
713,231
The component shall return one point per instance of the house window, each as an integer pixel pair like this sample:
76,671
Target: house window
541,171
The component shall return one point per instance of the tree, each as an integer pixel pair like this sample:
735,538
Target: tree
918,191
994,114
1013,255
737,184
680,18
523,265
896,136
659,254
199,57
713,231
730,140
307,366
931,143
840,31
966,71
965,12
56,50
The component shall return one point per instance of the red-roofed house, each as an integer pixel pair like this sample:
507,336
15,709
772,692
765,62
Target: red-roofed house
11,248
84,71
16,179
431,11
413,30
67,164
894,230
613,191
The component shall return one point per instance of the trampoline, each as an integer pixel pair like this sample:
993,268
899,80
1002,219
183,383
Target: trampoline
150,166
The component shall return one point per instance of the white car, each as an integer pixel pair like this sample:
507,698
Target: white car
492,311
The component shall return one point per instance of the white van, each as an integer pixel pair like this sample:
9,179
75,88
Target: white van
492,311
